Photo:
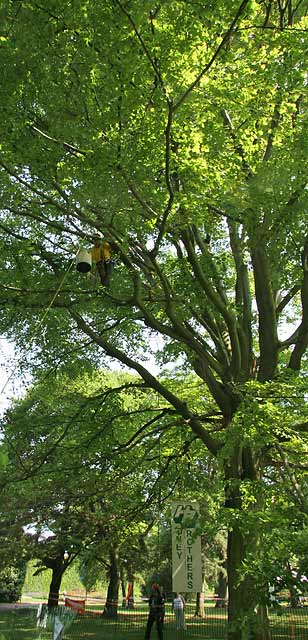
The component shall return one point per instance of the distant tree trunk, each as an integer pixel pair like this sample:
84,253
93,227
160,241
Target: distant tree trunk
54,588
294,597
124,603
130,593
123,587
222,587
293,591
111,605
200,611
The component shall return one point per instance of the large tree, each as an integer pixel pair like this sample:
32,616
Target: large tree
180,130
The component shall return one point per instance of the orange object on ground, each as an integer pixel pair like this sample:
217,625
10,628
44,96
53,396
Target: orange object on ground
78,605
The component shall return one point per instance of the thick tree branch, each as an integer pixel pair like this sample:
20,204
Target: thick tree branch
153,382
242,297
207,321
268,339
292,339
301,343
287,298
223,395
218,303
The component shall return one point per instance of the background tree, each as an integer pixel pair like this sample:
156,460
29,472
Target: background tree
13,559
89,472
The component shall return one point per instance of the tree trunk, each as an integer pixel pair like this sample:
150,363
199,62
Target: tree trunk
244,621
200,611
222,587
111,605
241,614
54,588
123,587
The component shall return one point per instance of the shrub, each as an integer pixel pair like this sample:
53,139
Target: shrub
11,582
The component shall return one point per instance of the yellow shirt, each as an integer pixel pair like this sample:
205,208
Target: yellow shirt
103,252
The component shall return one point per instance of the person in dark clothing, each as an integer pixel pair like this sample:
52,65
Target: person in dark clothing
156,612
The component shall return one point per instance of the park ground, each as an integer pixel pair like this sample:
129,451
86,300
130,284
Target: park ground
20,623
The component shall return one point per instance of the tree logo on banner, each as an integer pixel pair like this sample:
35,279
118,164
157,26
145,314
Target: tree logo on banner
186,515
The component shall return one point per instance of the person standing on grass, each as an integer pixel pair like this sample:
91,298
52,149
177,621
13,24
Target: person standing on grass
156,612
178,607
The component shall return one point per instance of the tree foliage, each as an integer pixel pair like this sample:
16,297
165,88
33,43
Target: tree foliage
180,130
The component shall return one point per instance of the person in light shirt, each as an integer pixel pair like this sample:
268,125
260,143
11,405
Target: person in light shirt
178,607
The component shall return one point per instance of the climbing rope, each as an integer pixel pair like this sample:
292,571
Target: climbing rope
45,314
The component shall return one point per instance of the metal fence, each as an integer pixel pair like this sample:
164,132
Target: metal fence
37,623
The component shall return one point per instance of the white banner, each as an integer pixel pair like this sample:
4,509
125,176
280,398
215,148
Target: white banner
57,629
186,547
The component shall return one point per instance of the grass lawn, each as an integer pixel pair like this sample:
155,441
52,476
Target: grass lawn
20,624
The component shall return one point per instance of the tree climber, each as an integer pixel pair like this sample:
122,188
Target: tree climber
101,254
